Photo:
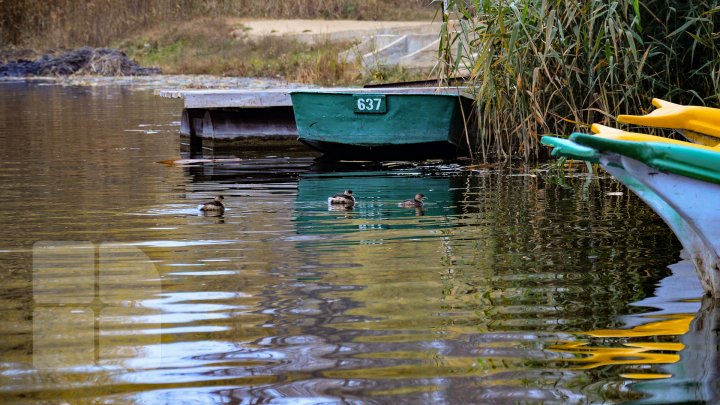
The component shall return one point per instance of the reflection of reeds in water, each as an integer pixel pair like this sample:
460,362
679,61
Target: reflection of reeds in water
525,253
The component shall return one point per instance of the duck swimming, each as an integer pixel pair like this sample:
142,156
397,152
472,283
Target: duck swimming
213,206
346,198
417,202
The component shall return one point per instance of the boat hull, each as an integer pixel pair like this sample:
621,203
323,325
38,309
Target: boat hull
417,151
409,126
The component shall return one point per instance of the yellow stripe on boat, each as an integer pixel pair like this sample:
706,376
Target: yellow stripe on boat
702,123
620,135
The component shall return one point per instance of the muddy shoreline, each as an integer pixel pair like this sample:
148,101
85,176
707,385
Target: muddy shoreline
158,82
81,61
107,67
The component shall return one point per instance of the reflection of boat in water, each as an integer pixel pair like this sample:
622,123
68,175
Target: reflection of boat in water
630,353
678,180
377,195
679,344
677,293
696,375
641,342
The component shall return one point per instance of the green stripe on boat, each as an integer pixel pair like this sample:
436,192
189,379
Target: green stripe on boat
570,149
701,164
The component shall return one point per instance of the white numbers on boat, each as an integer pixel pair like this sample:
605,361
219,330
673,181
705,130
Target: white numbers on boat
369,104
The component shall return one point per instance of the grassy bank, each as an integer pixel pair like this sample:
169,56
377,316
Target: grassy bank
214,47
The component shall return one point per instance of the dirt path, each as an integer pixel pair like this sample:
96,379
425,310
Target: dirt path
340,30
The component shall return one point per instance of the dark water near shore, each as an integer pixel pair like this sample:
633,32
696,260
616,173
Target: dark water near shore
512,286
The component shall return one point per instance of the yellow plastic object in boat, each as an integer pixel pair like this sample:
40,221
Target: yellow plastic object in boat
620,135
698,124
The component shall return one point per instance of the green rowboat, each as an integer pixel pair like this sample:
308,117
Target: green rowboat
377,124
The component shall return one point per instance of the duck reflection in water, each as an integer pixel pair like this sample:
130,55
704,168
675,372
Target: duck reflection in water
214,208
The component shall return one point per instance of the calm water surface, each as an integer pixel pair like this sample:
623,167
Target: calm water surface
509,287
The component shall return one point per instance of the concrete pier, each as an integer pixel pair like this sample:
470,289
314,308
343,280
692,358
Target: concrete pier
374,44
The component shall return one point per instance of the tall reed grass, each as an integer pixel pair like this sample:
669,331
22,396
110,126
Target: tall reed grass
556,66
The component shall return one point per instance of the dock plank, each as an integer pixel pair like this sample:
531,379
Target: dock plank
280,97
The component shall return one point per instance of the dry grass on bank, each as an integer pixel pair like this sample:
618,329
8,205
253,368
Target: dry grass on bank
207,46
75,23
